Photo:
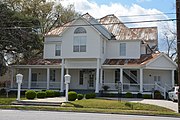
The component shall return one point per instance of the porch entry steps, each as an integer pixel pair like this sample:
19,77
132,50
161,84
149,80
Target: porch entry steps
36,103
130,76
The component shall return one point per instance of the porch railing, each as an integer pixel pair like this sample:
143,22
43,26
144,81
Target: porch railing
126,87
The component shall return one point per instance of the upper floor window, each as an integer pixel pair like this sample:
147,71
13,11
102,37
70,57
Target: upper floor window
58,50
102,46
122,49
79,43
79,30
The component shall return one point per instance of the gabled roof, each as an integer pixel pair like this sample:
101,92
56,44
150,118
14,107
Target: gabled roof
89,19
117,28
112,28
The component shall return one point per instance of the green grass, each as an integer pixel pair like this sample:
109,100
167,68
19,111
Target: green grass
112,104
96,105
6,101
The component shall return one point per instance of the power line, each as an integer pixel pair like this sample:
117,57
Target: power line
149,15
135,22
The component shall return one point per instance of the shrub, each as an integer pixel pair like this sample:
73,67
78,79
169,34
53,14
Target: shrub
105,87
139,95
50,93
90,95
41,94
72,96
30,94
128,95
157,94
80,96
57,94
147,96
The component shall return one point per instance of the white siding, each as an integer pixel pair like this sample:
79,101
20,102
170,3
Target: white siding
49,51
132,49
161,63
93,43
165,75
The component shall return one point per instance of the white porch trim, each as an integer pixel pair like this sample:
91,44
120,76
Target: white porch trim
97,76
141,80
48,74
62,75
29,78
101,76
121,78
172,77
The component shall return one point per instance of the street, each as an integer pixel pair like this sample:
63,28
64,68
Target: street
47,115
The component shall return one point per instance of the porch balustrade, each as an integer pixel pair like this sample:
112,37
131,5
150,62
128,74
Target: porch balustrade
127,87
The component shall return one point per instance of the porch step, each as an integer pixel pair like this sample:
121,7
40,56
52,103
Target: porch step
37,103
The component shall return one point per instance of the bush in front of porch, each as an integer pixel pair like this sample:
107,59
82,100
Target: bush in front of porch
30,94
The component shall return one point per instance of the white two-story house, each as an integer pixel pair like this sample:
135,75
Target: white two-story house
96,53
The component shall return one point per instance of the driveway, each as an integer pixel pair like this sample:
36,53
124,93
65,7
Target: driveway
163,103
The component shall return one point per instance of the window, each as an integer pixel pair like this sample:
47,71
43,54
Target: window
79,44
81,77
79,30
103,47
58,50
117,75
52,75
122,49
157,79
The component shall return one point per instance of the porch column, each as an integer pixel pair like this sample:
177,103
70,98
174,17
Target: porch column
29,78
62,75
141,80
97,76
12,77
121,78
48,74
101,76
172,77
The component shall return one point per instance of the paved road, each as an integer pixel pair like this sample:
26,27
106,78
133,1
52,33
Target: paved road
46,115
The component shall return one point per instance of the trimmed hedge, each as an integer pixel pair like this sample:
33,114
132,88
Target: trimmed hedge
80,96
50,93
57,94
147,96
128,95
139,95
41,94
30,94
90,95
72,96
157,95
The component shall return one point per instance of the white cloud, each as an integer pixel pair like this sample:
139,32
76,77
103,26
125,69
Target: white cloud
98,11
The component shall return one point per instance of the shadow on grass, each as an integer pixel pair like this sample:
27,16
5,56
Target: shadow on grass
76,105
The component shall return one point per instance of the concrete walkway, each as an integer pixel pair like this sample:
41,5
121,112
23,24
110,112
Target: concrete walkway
50,100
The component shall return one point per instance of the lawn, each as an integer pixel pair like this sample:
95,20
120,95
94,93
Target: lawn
96,105
114,104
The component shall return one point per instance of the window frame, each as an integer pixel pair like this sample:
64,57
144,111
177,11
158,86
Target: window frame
58,51
122,49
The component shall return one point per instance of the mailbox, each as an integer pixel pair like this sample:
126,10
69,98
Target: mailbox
67,78
19,78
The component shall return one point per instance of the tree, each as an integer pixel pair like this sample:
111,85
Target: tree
49,14
19,40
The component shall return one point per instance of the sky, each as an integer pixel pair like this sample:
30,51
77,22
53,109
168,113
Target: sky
128,8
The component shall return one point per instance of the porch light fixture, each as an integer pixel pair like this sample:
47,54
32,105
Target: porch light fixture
19,78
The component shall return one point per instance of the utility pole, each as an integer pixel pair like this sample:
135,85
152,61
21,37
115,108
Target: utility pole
178,47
